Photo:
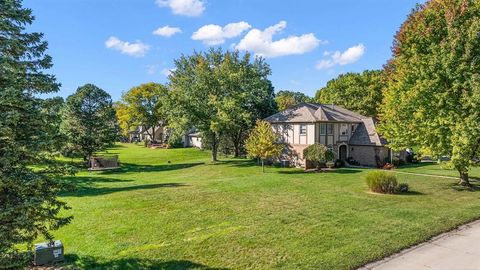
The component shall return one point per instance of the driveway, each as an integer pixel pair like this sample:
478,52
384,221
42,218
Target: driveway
458,249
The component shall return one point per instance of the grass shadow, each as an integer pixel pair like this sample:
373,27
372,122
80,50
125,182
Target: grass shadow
130,167
339,171
98,191
417,165
86,186
238,163
411,193
74,262
475,186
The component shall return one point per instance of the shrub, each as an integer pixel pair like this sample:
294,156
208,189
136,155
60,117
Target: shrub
402,188
398,162
381,182
339,163
318,153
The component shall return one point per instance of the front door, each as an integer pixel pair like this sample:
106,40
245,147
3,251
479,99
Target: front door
342,152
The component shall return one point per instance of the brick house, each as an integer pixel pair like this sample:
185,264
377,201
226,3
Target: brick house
346,133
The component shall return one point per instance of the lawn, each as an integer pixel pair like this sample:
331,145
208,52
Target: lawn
438,169
172,209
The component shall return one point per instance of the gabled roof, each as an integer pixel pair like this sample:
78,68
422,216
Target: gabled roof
313,112
366,134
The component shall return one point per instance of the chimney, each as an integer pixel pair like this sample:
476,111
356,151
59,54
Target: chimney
333,106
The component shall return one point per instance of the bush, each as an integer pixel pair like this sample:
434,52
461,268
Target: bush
398,162
339,163
381,182
352,161
402,188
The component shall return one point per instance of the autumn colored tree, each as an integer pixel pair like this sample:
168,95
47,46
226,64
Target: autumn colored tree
359,92
433,95
286,99
145,105
263,142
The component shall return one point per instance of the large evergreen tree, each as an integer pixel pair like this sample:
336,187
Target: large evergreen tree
433,94
28,204
88,121
359,92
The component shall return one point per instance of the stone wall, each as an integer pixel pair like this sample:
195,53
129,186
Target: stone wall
367,155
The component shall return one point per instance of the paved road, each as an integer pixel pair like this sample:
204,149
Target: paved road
455,250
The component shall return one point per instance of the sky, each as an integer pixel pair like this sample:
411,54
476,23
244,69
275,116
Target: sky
119,44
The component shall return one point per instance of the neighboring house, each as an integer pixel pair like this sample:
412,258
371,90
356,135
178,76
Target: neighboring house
346,133
193,139
140,134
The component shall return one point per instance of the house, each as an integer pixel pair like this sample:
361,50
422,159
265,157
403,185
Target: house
346,133
141,134
192,139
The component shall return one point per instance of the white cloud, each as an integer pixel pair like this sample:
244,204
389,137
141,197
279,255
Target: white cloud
137,48
212,34
167,31
166,72
151,69
191,8
349,56
261,42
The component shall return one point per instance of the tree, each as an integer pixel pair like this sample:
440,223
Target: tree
29,207
88,120
220,94
147,106
433,94
318,153
263,142
124,118
286,99
359,92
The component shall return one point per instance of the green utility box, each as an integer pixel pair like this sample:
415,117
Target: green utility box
47,253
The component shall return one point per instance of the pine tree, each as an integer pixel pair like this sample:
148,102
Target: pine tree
29,207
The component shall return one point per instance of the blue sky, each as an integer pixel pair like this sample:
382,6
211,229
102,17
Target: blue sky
112,44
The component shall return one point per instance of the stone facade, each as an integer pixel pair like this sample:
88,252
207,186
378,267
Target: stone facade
369,155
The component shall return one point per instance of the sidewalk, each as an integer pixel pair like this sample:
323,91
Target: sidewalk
458,249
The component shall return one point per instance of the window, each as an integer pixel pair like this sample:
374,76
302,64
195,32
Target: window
303,129
329,129
344,129
353,128
323,128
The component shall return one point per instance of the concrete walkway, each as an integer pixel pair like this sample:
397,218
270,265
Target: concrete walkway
456,250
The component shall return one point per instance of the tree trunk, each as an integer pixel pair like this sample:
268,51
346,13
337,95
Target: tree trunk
214,147
235,137
263,166
464,179
153,135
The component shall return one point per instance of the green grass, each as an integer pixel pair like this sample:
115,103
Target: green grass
190,214
434,168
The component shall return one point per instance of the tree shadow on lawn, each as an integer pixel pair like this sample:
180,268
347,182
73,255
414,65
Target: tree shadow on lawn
131,167
238,163
339,171
474,182
73,261
86,186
